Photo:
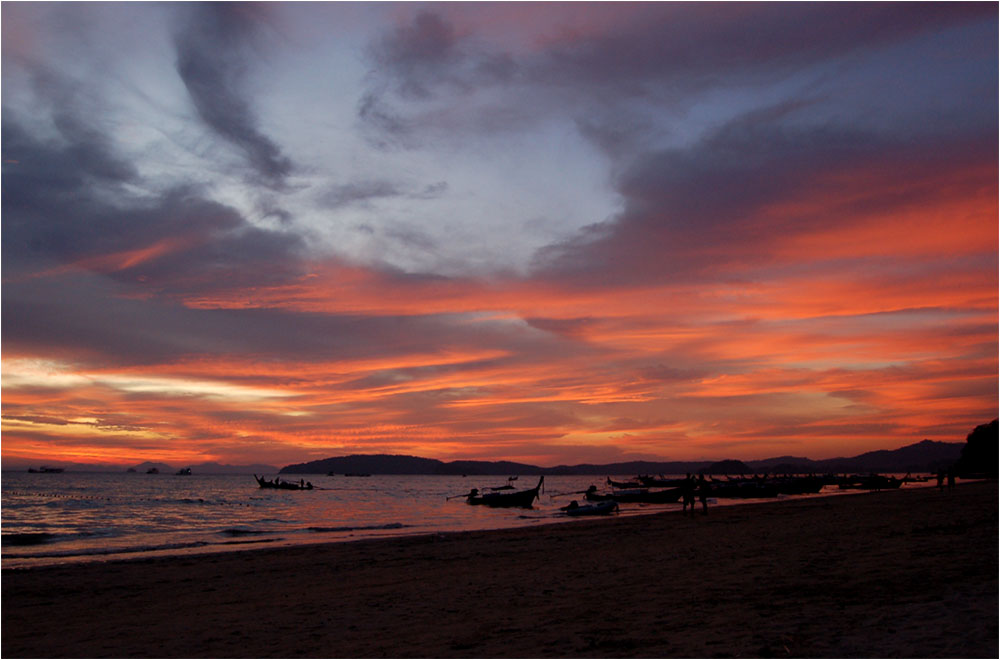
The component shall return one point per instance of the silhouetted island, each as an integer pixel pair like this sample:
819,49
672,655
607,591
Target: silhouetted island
925,456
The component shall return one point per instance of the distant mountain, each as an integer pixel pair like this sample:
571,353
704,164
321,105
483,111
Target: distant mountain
925,456
728,466
146,466
369,463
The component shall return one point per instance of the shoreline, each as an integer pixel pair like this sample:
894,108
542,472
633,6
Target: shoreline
35,555
891,574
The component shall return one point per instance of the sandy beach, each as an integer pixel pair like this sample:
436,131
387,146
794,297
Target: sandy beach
891,574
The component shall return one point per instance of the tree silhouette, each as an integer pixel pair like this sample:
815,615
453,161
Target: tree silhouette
980,455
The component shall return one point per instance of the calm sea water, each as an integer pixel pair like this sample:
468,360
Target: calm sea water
73,517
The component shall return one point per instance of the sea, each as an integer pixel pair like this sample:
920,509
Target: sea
74,517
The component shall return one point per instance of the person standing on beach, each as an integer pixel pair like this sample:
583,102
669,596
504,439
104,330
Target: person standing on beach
687,492
702,494
940,479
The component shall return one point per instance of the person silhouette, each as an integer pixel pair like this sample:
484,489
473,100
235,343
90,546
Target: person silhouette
687,493
702,494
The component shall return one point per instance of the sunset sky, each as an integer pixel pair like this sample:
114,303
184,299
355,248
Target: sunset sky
552,233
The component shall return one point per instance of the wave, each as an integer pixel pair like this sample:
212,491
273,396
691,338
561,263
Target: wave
362,528
237,531
89,552
27,538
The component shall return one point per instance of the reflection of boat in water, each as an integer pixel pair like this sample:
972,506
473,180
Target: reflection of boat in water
598,509
520,498
46,470
184,472
283,485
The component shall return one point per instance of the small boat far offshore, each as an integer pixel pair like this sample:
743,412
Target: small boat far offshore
283,485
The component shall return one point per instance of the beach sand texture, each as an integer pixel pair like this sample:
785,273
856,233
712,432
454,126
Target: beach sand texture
891,574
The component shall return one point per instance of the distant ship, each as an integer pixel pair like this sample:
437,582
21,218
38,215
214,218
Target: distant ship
152,471
184,471
46,470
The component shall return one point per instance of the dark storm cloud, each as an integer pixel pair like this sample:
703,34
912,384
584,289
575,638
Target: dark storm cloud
215,45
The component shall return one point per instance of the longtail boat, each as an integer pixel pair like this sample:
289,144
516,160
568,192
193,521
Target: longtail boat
520,498
624,485
283,485
659,482
634,496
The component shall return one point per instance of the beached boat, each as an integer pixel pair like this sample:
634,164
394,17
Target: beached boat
519,498
599,509
283,485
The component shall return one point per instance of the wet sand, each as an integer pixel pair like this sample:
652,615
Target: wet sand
893,574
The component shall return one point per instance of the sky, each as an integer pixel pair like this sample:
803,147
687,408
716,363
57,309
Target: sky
552,233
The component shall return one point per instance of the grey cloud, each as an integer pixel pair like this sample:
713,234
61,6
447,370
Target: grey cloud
689,211
54,214
666,53
358,192
364,192
214,46
99,322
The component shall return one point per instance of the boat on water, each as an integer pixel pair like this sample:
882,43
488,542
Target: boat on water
183,472
506,498
153,471
508,486
659,482
283,485
634,496
574,508
624,485
46,470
